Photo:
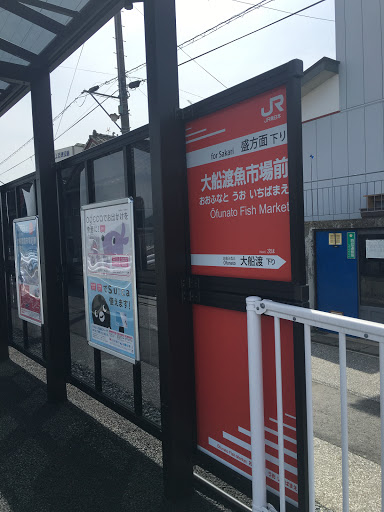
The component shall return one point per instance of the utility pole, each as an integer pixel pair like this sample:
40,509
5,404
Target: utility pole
123,94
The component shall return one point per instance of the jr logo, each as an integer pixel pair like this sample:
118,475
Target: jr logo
277,102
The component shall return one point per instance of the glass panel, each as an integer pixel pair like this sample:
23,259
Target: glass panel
109,177
149,349
17,324
151,392
143,207
35,342
142,163
74,195
117,379
24,33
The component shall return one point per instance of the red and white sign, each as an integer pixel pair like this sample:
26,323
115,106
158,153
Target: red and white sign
222,395
237,160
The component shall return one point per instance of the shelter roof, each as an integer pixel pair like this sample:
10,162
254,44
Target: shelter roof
38,35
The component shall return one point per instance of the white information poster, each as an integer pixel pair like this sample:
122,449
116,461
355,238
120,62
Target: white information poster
110,278
374,249
27,269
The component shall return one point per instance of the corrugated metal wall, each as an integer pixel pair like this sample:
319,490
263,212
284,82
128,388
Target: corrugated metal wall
344,153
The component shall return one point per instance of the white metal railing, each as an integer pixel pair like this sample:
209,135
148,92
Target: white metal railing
257,307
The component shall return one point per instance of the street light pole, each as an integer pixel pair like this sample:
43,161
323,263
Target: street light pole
123,94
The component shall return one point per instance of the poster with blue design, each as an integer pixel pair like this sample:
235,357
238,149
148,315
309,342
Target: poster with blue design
110,278
27,268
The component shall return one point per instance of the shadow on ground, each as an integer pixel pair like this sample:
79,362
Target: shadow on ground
58,458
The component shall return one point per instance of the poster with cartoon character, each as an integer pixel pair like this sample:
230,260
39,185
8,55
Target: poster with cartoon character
27,268
110,278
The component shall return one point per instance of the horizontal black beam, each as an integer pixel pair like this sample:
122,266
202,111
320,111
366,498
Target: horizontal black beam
111,146
51,7
33,16
17,51
14,73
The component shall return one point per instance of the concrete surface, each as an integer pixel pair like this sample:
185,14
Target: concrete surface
78,457
363,384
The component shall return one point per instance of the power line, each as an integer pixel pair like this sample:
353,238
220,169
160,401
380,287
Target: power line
186,43
70,87
88,70
204,69
31,139
81,118
57,137
250,33
192,94
17,165
286,12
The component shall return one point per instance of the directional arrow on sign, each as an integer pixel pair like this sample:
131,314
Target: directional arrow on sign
251,261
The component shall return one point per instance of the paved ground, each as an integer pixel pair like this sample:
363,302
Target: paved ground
363,383
76,457
81,456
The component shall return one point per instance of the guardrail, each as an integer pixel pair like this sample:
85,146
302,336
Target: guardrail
256,307
324,198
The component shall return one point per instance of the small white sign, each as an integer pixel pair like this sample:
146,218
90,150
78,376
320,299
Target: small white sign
374,249
238,261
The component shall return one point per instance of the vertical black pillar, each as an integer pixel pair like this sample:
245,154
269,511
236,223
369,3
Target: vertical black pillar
4,354
49,237
169,207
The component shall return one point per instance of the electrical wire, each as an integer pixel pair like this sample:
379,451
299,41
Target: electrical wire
87,70
32,138
70,87
286,12
208,32
57,137
185,43
204,69
224,23
250,33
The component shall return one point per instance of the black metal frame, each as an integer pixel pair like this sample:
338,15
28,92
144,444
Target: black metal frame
9,270
173,285
174,316
124,143
4,353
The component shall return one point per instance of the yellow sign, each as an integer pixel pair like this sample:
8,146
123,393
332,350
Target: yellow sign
335,239
339,240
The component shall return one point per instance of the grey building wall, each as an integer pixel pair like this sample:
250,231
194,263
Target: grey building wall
343,153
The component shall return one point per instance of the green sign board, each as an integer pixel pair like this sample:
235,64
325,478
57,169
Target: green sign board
351,245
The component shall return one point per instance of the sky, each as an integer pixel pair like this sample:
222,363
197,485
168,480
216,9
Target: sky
308,37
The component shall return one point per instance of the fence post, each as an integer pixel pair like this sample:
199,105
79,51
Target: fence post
256,405
56,335
168,169
4,353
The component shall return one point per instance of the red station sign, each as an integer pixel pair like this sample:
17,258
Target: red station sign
222,395
237,160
